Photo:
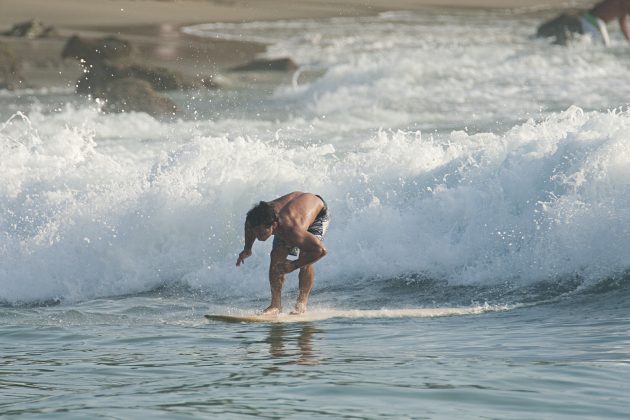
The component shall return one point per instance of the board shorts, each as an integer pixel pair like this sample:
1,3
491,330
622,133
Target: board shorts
318,228
595,28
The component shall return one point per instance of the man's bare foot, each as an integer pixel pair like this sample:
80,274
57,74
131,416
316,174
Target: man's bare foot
298,309
272,310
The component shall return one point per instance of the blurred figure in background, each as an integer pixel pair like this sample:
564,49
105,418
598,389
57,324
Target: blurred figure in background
591,23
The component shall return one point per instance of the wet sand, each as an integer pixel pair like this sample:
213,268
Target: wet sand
153,28
78,13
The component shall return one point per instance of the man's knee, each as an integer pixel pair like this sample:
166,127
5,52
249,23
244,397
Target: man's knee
323,251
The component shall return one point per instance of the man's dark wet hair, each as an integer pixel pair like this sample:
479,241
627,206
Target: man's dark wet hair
262,214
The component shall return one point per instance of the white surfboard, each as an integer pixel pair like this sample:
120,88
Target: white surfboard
323,314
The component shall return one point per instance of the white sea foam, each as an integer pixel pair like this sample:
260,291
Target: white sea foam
418,134
542,201
436,70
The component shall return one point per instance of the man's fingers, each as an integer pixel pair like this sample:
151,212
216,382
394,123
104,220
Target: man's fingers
241,258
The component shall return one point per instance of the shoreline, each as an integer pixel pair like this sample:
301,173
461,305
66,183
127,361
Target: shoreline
154,27
80,14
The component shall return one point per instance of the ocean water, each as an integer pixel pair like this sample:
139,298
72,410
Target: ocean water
466,164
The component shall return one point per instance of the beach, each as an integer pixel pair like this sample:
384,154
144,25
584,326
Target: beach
153,25
77,13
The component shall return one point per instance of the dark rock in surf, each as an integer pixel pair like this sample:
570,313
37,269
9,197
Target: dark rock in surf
95,78
130,94
106,60
562,28
99,75
159,77
279,64
95,50
10,77
31,29
209,83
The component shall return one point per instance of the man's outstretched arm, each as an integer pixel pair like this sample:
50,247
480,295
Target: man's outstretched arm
250,237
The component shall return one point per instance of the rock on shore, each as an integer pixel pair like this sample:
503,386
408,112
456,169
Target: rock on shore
112,74
31,29
10,77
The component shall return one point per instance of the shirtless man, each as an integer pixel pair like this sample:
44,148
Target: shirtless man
298,222
592,23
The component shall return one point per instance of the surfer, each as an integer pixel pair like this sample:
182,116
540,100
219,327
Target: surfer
298,221
592,23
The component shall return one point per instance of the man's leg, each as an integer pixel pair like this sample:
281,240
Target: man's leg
276,279
307,277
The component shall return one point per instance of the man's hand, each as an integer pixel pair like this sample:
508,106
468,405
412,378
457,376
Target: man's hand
241,257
